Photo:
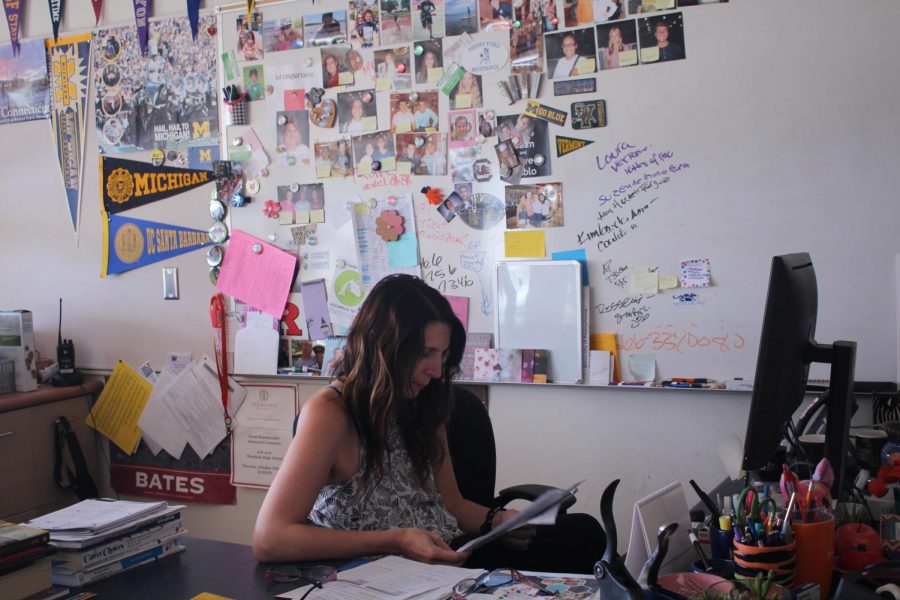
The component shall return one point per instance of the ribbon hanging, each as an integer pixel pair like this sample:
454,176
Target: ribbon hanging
98,8
193,9
141,14
56,10
13,10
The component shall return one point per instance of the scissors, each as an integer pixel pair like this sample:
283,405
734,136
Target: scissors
750,506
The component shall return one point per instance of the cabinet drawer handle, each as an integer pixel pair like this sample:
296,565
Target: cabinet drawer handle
5,433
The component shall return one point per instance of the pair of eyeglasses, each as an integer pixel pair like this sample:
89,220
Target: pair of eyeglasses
315,576
495,579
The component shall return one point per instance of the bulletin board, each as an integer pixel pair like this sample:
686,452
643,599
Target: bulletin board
705,168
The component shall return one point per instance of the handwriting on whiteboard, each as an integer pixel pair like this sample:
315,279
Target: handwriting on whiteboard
669,338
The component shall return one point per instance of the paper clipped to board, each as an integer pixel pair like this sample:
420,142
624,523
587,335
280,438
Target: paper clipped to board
119,407
257,273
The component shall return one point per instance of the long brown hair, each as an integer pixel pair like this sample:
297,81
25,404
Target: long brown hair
384,343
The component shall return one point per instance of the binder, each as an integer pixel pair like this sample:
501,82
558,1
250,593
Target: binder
660,508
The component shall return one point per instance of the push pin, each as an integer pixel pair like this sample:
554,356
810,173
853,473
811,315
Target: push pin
257,248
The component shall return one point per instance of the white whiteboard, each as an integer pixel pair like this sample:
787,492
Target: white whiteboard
539,307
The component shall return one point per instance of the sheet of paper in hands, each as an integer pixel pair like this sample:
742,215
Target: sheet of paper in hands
540,512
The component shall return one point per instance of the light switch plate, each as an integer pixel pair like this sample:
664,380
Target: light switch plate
170,283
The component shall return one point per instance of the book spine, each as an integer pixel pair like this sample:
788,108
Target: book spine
23,544
114,549
79,578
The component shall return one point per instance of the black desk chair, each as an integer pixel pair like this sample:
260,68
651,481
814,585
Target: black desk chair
473,451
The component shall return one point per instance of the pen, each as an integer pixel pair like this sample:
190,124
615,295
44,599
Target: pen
681,384
693,380
700,554
637,383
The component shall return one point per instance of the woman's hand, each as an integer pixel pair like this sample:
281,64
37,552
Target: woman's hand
517,539
428,547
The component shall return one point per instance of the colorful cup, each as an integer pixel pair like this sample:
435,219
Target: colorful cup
814,538
750,560
720,543
236,111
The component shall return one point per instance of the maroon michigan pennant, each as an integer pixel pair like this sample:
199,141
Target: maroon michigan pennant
125,184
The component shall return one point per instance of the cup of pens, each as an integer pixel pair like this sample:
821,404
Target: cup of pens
751,558
235,106
814,535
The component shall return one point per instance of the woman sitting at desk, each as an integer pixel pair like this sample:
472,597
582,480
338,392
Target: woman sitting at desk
368,471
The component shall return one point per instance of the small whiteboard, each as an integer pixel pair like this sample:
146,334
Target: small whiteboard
539,305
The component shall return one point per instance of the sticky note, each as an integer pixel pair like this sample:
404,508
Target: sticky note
642,367
668,282
364,168
628,58
404,168
261,278
404,252
382,84
388,164
369,123
581,256
286,217
119,407
664,4
650,54
430,130
525,244
301,217
345,78
323,171
317,215
460,307
463,100
361,209
435,74
643,280
585,65
404,126
695,273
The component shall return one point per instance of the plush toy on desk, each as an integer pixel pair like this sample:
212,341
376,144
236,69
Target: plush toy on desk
820,485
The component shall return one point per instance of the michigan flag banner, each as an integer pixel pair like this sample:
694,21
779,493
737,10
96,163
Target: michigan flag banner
68,59
125,184
133,243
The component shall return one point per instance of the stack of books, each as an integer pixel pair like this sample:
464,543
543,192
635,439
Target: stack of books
96,539
25,563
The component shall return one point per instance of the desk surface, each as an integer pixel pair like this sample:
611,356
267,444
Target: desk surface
205,566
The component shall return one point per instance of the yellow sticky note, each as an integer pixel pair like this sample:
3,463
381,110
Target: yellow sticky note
650,54
525,244
668,282
361,209
364,168
370,123
643,280
664,4
463,100
628,58
345,78
435,74
317,215
208,596
388,164
404,168
119,407
286,217
430,130
404,126
607,341
302,217
382,84
323,171
585,65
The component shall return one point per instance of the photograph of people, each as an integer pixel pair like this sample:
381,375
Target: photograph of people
430,22
402,118
363,153
316,196
427,61
462,128
467,93
523,134
571,53
462,163
333,61
450,206
325,29
409,152
291,139
393,64
287,200
495,15
618,44
666,34
342,165
526,48
327,503
584,12
253,83
283,34
434,159
426,117
365,31
249,47
487,123
384,147
461,16
396,22
354,62
324,153
356,115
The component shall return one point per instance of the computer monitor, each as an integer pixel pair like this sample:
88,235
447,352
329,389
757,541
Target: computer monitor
787,347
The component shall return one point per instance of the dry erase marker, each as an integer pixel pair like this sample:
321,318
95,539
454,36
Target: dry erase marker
636,383
692,380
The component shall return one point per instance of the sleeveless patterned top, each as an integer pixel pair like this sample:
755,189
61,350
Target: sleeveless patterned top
396,500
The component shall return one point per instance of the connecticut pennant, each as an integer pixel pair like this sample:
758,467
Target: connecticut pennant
141,14
98,8
56,11
565,145
132,243
68,59
125,184
13,10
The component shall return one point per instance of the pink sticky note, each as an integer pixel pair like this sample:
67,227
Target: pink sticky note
460,307
261,279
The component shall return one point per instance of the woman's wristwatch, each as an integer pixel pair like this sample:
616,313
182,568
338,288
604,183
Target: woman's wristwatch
489,519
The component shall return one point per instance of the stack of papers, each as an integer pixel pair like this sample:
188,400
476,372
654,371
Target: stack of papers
90,517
